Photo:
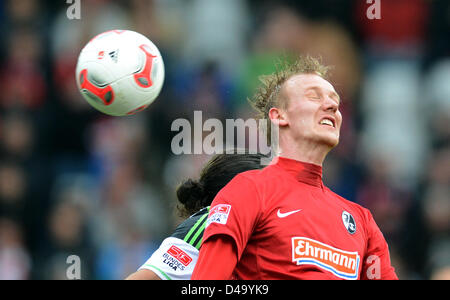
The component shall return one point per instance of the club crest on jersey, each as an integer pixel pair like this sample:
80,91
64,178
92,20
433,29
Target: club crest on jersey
349,222
219,214
343,264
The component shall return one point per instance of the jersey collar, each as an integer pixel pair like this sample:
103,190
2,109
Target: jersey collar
308,173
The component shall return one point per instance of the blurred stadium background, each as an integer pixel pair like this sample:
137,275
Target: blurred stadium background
74,181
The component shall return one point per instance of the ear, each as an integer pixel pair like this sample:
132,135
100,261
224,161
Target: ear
278,116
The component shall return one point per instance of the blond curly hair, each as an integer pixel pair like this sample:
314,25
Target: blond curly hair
267,94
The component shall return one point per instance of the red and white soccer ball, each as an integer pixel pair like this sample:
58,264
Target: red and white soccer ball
120,72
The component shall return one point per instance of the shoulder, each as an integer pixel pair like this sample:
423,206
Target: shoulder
245,185
252,189
191,229
257,177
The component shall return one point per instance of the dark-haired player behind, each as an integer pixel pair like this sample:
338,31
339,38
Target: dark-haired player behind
177,254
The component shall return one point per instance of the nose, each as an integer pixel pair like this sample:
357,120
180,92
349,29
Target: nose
330,104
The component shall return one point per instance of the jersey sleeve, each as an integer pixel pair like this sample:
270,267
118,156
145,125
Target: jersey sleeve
235,212
210,251
177,255
377,262
174,260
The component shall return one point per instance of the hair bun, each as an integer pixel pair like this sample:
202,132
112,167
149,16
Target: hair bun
189,193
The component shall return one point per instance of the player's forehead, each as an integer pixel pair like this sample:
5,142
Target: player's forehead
303,82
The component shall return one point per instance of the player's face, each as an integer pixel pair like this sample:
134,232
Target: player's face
312,110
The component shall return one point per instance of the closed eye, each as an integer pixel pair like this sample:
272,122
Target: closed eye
313,95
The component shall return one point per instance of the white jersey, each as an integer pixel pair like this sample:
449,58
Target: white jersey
177,255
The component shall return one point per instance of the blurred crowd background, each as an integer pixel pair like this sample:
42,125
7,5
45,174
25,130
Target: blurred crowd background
75,181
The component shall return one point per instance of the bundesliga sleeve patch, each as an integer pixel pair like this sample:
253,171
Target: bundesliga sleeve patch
219,214
175,259
178,255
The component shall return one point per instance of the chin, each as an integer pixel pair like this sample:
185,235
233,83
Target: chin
330,141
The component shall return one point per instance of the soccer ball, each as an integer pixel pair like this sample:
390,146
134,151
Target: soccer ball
120,72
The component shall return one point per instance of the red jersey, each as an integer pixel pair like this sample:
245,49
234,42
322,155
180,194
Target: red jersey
287,225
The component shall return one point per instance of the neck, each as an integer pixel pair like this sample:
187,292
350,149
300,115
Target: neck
313,153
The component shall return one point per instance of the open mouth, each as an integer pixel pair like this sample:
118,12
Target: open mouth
327,121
